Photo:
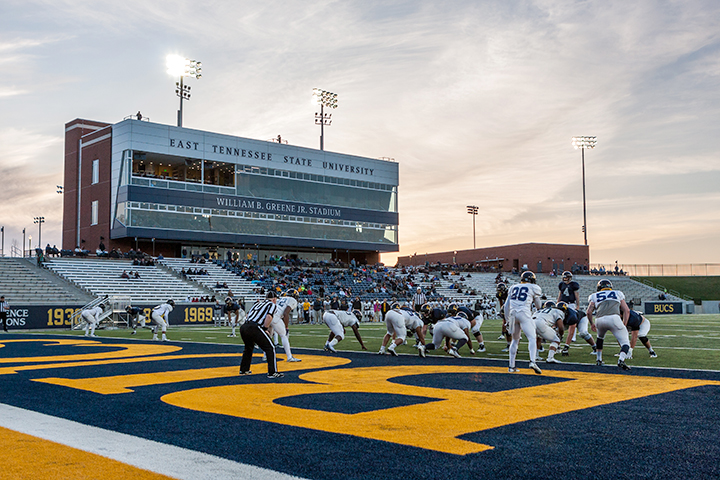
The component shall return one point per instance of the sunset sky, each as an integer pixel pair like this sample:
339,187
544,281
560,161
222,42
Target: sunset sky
476,100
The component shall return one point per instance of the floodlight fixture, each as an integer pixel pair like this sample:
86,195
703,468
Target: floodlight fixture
182,67
473,210
39,221
324,99
581,143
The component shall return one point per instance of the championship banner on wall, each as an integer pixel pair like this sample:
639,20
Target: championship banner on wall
37,317
663,308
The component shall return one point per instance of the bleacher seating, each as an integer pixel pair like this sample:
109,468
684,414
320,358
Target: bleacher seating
23,282
215,275
101,276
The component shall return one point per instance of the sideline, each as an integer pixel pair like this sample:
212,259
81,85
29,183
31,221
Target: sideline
157,457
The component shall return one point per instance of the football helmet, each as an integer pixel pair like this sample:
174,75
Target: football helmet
357,314
171,302
604,284
563,307
452,309
567,275
549,304
527,277
463,315
501,288
291,293
395,306
426,309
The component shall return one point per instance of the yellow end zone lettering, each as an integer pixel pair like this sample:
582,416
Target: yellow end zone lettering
456,413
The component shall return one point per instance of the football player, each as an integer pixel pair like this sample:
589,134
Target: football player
569,291
399,321
281,320
612,315
549,326
476,319
135,318
518,316
232,308
501,296
92,318
448,328
576,320
160,315
639,327
337,320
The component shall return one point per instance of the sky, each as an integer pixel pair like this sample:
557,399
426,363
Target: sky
476,100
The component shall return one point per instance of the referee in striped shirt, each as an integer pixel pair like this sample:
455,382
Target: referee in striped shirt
254,332
418,300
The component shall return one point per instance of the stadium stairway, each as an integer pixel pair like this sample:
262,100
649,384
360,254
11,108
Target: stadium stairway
101,277
22,282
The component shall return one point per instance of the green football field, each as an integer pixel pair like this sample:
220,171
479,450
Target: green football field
681,341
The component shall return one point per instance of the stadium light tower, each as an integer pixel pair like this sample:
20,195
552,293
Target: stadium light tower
178,66
39,221
582,143
473,210
324,99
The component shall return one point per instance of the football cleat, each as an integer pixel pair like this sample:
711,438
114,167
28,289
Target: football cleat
392,352
232,335
565,351
381,352
599,363
552,360
330,348
623,365
245,373
294,359
501,337
481,348
513,369
653,354
421,350
506,349
454,353
133,332
276,375
535,368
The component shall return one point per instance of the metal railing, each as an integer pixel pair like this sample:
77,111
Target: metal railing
662,270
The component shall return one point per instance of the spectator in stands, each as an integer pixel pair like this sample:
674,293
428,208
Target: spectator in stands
124,274
306,310
137,274
48,250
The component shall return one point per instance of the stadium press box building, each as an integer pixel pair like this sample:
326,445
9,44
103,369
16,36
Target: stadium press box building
136,184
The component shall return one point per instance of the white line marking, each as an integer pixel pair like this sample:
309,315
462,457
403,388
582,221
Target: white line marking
154,456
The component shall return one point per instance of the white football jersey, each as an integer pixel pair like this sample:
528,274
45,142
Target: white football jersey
607,302
549,316
163,309
347,319
282,304
521,297
462,322
412,320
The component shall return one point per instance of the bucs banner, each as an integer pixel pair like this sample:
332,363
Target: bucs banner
663,308
36,317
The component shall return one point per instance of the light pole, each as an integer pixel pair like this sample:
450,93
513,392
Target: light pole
2,251
324,99
582,143
39,221
473,210
182,67
23,244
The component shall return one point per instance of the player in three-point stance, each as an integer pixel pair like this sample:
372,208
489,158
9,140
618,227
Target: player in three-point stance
398,322
337,320
639,327
92,318
518,316
236,315
136,318
476,320
612,315
281,321
549,326
448,327
577,319
160,315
